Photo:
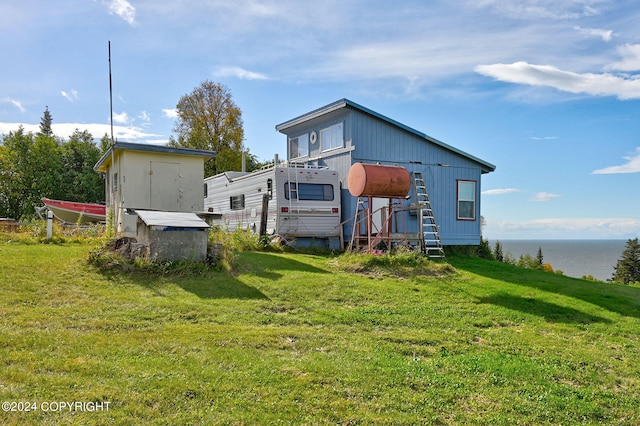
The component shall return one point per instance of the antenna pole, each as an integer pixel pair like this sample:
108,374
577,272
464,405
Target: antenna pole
111,95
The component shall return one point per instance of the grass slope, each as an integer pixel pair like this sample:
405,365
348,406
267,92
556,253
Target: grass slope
288,339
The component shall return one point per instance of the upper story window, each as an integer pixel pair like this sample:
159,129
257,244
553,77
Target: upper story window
466,200
332,137
299,146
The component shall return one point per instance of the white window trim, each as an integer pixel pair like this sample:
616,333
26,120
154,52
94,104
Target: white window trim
475,199
322,132
303,136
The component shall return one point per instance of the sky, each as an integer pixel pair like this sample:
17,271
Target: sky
546,90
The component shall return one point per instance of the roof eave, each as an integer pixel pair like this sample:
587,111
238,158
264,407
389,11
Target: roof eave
343,103
102,163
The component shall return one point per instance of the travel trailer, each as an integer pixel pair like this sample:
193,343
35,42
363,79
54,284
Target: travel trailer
298,203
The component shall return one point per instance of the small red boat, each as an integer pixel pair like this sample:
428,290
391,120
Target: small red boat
72,212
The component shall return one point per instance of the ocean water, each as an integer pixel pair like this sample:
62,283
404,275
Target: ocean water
575,258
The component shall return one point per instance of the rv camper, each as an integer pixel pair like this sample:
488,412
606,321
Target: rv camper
300,204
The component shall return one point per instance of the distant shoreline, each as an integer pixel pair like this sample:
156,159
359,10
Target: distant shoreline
574,257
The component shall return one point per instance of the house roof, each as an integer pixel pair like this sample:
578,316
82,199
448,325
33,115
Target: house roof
346,103
105,160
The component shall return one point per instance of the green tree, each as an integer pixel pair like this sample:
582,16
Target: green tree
540,258
105,143
484,250
80,181
45,124
209,119
46,168
37,166
497,252
627,270
15,174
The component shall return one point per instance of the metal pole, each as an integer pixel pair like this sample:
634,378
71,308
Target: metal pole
111,95
49,224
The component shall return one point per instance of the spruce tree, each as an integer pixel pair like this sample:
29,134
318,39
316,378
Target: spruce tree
45,123
540,257
627,270
497,252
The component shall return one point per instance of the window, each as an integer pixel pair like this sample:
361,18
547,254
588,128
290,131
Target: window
332,137
299,147
270,188
115,182
206,190
466,200
237,202
308,191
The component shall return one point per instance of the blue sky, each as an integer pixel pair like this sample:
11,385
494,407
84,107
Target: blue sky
547,90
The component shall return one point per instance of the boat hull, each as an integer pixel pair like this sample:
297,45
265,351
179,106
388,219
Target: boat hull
71,212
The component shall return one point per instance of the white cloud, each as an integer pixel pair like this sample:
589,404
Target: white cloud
170,112
546,75
123,9
542,9
70,96
500,191
607,227
15,103
122,118
630,54
542,197
144,116
543,138
239,73
605,35
64,130
631,166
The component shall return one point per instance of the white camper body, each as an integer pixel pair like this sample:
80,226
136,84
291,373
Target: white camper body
297,203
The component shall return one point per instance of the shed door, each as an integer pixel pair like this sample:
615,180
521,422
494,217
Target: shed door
164,183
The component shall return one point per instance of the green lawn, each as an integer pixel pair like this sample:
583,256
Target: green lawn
288,339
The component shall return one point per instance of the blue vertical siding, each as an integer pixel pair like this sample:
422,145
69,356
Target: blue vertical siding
369,139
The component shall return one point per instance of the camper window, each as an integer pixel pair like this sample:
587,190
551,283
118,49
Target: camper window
308,191
236,202
270,188
206,191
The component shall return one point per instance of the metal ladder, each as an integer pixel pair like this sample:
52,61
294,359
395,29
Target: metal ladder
430,244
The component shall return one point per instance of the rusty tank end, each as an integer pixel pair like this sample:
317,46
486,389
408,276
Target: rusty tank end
375,180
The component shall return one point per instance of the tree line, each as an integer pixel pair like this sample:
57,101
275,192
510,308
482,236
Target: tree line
33,166
626,270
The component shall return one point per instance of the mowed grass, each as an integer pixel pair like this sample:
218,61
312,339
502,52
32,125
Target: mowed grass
292,339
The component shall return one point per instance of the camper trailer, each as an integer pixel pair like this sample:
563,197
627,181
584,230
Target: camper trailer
298,203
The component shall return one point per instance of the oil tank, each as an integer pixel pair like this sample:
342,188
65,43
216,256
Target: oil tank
375,180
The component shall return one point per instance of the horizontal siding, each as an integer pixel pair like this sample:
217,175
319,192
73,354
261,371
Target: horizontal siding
305,218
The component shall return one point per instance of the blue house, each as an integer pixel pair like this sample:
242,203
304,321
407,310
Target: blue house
343,133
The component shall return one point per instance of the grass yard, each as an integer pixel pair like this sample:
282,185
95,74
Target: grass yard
295,339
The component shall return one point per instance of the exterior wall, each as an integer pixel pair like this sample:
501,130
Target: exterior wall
368,139
303,219
252,186
173,244
154,181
